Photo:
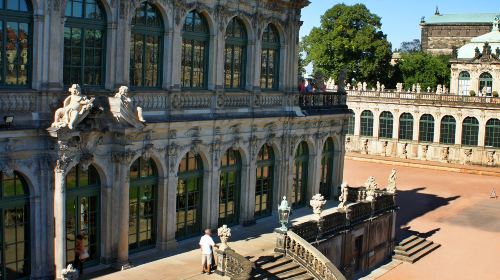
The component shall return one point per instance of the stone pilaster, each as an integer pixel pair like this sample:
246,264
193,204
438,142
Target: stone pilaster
60,171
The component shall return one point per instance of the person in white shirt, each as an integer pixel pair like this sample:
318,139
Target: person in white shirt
206,244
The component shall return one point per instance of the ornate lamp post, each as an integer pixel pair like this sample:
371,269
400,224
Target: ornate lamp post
284,214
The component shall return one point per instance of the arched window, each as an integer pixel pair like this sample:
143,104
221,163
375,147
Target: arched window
195,38
406,127
189,196
146,47
386,125
300,170
448,130
16,19
264,183
366,123
470,131
15,223
270,59
235,55
84,43
464,83
426,130
486,83
350,124
229,188
327,159
143,200
492,133
83,201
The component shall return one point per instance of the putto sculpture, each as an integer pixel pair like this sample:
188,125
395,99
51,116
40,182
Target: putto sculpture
75,108
123,109
371,186
344,195
317,202
391,182
224,233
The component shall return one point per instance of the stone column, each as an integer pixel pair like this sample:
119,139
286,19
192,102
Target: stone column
376,124
416,127
112,52
60,172
357,124
53,79
248,175
167,59
458,131
395,126
482,133
169,237
121,57
437,129
219,45
176,62
256,65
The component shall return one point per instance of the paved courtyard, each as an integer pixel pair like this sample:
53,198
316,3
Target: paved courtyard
449,208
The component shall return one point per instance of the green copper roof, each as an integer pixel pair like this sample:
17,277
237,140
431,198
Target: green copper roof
486,18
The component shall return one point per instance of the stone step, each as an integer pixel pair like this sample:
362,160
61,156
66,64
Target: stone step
408,240
409,245
418,255
292,273
283,268
277,263
306,276
266,259
414,249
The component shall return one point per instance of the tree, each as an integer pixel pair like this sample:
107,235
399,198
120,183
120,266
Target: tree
411,46
302,65
350,38
425,69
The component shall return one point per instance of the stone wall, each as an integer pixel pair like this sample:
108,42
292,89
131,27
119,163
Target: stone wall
441,38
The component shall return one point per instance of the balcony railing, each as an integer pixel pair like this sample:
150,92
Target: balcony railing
322,100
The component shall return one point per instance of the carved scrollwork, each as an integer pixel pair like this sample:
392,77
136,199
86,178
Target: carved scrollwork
148,151
85,161
124,157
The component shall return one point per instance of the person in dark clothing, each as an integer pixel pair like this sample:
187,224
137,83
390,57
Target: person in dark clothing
79,253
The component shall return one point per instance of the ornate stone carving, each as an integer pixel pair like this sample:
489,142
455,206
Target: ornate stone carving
445,153
371,187
62,164
85,160
344,195
148,151
75,108
391,182
224,233
491,158
468,155
172,152
69,273
122,108
125,157
7,166
317,202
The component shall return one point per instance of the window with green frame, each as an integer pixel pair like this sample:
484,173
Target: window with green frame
143,200
146,47
189,196
300,171
492,137
83,196
229,188
386,125
366,123
448,130
406,127
84,43
15,249
350,124
426,128
486,83
16,19
195,47
269,73
235,54
470,131
264,182
327,159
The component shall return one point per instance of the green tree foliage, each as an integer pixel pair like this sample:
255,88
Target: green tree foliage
425,69
410,46
350,37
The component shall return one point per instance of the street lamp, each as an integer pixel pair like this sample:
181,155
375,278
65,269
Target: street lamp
284,214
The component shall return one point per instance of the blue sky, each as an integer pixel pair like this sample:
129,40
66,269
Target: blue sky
400,18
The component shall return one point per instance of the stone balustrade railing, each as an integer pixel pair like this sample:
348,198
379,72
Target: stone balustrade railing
234,265
310,258
26,102
405,97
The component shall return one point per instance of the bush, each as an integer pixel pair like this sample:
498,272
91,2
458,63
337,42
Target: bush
472,93
495,94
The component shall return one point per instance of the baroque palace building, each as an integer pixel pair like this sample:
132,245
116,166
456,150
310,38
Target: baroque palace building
209,129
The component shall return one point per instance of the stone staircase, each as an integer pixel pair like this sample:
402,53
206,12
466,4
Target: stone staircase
279,267
413,249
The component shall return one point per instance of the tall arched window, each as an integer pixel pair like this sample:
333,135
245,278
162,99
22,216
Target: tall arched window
264,183
189,196
16,19
492,137
448,130
143,200
486,83
84,43
406,127
386,125
146,47
83,204
229,188
426,130
270,59
327,159
15,222
195,39
470,131
464,83
300,170
235,55
366,123
350,124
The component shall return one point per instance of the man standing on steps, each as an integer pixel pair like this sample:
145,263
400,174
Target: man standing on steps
206,244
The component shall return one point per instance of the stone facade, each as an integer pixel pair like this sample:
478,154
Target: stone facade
438,106
112,136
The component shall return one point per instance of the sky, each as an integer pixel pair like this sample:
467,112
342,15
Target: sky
400,18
